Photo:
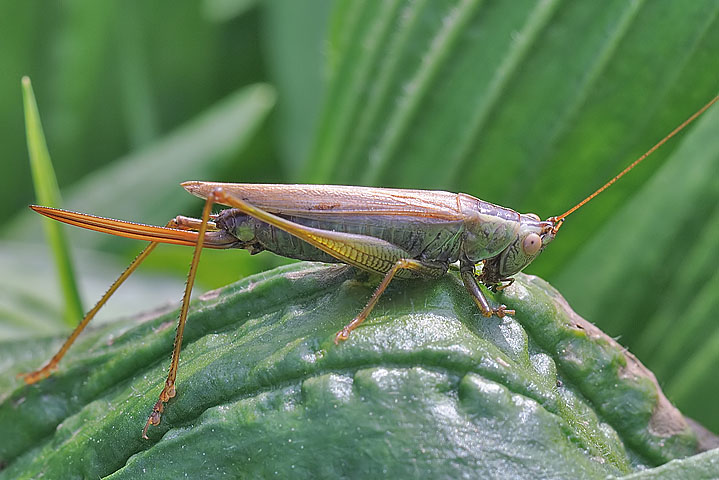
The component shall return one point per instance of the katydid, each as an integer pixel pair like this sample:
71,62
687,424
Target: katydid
391,232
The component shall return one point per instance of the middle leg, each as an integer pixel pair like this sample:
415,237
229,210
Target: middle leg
421,268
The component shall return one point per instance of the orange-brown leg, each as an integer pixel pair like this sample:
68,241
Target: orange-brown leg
404,263
179,222
169,389
45,371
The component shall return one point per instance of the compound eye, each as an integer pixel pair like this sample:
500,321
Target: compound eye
531,244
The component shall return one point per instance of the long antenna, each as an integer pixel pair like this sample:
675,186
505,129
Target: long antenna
559,219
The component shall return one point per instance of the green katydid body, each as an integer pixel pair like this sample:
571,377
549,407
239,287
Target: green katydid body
434,227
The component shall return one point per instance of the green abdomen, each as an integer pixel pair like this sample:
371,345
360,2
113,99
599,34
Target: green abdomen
428,240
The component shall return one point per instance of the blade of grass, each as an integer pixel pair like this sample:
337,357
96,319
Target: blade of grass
48,193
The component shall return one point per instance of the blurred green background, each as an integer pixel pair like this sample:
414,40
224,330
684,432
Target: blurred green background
530,105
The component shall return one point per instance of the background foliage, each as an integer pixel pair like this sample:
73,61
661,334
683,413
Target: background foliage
530,105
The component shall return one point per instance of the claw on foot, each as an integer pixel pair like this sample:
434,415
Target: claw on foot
342,335
154,418
502,310
37,375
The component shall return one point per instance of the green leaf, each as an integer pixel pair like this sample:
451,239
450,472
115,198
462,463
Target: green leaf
702,466
225,10
296,40
48,194
425,385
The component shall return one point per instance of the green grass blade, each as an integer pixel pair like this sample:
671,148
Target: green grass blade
48,194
